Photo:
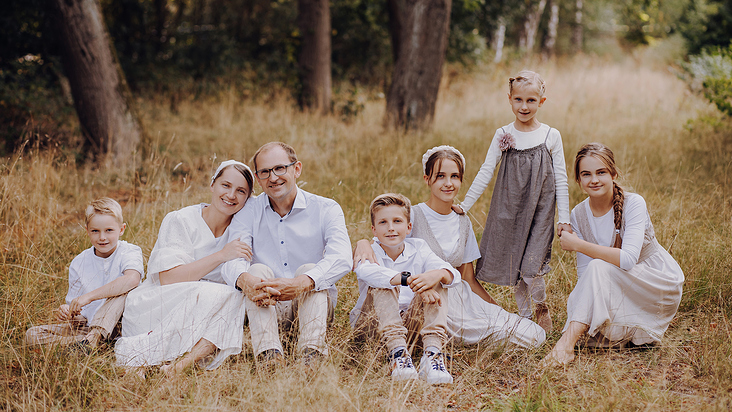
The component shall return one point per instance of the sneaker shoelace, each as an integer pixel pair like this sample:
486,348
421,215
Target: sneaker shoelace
437,362
404,362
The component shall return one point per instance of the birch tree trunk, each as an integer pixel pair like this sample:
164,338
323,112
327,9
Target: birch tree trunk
551,38
531,26
419,31
500,36
315,55
101,96
577,35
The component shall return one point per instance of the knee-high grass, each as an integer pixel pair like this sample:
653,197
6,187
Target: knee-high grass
671,145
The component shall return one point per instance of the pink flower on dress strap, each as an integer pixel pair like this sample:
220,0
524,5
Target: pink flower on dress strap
506,141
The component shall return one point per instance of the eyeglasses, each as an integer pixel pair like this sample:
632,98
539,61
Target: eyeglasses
278,170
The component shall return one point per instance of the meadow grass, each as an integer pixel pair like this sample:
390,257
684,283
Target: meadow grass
671,146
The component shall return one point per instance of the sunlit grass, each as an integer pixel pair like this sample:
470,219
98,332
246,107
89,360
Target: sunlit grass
679,164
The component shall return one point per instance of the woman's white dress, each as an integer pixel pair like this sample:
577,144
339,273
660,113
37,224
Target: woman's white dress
470,319
636,301
161,323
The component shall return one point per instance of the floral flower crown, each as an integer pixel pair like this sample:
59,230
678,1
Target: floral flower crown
429,153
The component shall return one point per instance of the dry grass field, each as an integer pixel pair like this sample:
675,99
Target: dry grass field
672,147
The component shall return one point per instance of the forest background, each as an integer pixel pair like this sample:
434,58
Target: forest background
207,80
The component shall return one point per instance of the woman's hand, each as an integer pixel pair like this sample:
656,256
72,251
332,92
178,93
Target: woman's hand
363,252
236,249
458,209
570,241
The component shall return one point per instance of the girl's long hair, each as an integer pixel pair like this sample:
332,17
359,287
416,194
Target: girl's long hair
606,156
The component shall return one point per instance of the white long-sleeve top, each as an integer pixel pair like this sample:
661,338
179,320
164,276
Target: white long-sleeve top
416,258
636,222
524,140
313,232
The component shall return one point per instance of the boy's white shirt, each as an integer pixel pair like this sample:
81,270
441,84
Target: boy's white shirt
89,271
416,258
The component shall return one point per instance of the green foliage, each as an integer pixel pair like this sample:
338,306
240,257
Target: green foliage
711,73
707,23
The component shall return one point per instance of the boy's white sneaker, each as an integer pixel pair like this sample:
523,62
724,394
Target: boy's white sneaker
402,367
432,368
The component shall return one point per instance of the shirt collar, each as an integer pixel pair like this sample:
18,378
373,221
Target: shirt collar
407,253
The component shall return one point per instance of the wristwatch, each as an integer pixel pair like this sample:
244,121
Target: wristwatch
405,276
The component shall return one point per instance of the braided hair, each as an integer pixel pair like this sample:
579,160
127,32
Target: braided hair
606,156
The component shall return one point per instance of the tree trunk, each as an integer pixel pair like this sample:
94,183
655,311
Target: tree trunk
500,36
551,38
313,19
419,31
577,34
531,26
101,95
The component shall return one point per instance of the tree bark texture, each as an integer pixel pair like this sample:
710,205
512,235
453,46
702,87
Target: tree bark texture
577,34
551,37
101,95
531,26
314,61
500,36
420,31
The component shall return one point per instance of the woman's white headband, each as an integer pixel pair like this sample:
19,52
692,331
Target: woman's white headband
429,153
226,164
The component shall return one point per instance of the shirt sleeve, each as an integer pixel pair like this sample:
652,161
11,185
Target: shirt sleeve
582,259
432,262
376,276
132,259
635,216
75,285
174,246
472,251
485,174
560,178
241,227
337,258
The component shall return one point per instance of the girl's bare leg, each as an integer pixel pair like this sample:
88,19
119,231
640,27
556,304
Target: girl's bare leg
563,352
199,351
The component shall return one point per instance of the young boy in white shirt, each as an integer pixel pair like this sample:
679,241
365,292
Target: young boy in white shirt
408,282
99,279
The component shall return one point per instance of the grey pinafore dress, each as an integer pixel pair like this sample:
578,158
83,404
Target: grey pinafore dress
517,240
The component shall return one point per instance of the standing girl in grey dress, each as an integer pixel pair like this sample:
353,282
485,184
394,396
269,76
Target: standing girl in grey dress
532,181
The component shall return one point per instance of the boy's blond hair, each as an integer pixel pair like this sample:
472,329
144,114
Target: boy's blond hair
103,206
391,199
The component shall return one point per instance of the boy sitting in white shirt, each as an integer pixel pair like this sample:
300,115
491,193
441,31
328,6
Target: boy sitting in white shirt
421,297
99,279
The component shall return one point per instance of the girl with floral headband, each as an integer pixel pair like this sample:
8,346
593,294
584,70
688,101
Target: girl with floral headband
531,182
472,314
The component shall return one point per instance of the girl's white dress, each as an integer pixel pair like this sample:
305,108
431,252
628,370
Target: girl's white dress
161,323
636,301
470,319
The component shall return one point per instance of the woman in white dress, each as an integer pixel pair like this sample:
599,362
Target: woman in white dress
184,313
628,286
473,316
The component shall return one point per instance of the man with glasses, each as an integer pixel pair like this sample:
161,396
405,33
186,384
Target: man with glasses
300,248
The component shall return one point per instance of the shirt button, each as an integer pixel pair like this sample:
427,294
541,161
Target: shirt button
282,242
285,264
280,220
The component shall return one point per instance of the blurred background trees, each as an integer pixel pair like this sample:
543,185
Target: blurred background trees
176,48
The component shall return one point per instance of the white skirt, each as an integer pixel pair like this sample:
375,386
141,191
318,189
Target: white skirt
162,323
471,319
634,305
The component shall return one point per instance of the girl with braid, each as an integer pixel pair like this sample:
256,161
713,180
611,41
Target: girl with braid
628,286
